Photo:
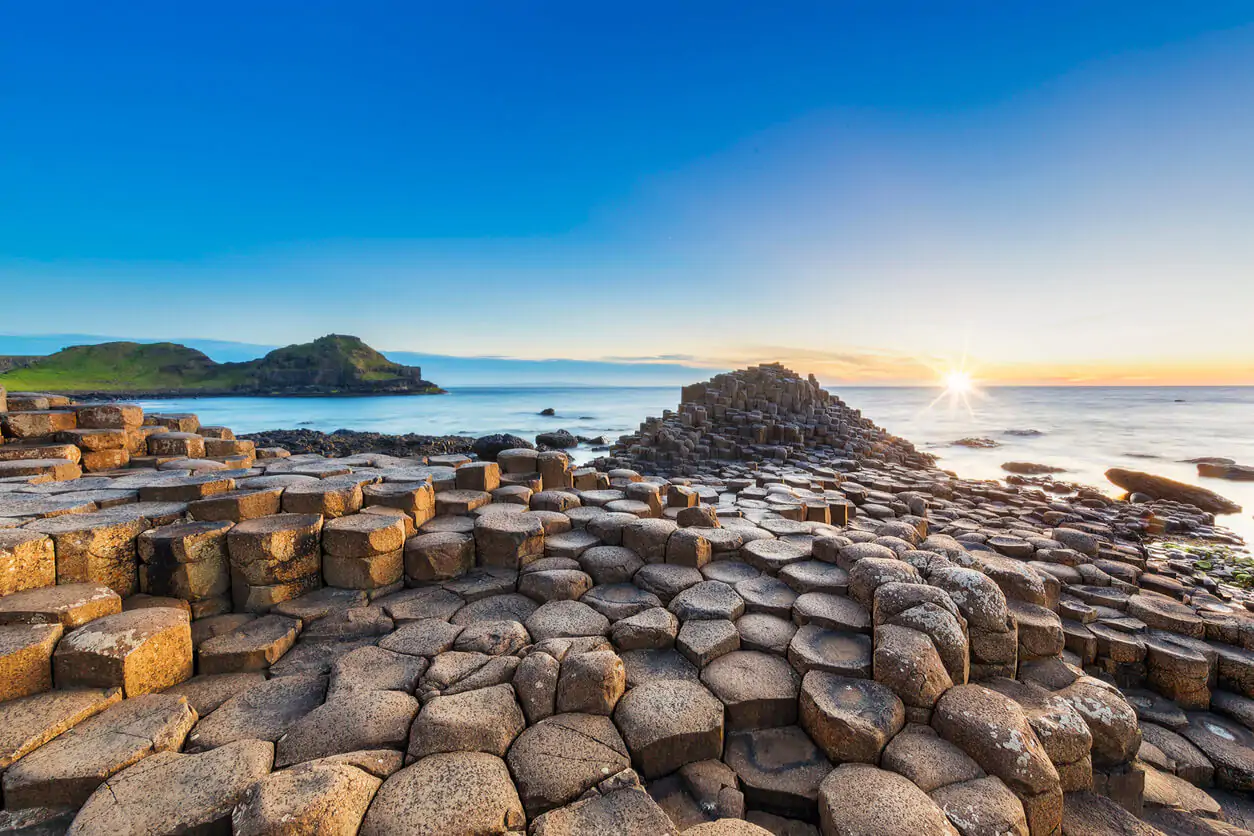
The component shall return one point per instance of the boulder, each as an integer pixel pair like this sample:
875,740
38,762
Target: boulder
482,720
668,723
175,793
757,689
352,722
852,720
140,651
313,798
861,800
445,794
558,759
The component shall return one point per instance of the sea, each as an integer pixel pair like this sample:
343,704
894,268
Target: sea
1085,430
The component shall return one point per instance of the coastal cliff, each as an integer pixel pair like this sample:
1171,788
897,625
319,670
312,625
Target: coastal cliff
331,365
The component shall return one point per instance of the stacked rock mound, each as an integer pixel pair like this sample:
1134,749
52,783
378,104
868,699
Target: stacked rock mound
294,644
762,413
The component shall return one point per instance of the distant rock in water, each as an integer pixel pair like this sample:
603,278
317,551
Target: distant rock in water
1231,471
548,412
977,443
1143,455
487,447
1028,433
1031,468
558,440
1209,460
1160,487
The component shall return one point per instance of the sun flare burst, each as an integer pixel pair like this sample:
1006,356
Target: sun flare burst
958,382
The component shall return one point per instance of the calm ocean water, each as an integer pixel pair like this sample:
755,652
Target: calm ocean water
1083,429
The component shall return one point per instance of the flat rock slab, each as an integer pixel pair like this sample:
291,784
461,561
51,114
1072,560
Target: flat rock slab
852,720
758,690
263,712
708,599
175,793
780,769
139,651
71,605
375,669
352,722
30,722
460,792
205,693
625,811
313,798
421,605
67,770
427,638
566,619
835,651
558,759
668,723
253,647
861,799
482,720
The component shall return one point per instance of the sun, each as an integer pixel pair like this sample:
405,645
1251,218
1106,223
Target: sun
958,382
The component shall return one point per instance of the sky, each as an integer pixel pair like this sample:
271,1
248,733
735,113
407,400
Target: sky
876,192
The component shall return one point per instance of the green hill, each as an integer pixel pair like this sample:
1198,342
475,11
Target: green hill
331,365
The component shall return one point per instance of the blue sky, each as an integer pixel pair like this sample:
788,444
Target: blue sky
871,191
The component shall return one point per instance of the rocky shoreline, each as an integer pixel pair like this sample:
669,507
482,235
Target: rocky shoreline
758,614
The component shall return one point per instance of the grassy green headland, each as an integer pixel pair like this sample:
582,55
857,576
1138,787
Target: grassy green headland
334,364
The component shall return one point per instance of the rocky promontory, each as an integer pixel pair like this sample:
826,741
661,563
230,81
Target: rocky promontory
333,365
761,614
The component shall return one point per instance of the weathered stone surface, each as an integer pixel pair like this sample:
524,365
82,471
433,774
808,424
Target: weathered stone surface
850,719
653,628
779,768
205,693
445,795
30,722
757,689
26,659
703,641
565,619
839,652
427,637
983,807
560,758
95,548
67,770
508,540
27,560
483,720
590,683
928,760
439,556
906,661
374,669
313,799
861,800
139,651
277,549
352,722
1228,745
535,685
173,793
708,599
255,646
995,732
668,723
623,811
263,712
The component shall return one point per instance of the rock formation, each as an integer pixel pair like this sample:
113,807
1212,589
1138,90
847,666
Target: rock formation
761,614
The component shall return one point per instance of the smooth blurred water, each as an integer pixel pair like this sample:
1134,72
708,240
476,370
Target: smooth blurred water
1084,429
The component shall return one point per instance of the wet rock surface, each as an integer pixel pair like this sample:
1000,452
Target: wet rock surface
760,613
